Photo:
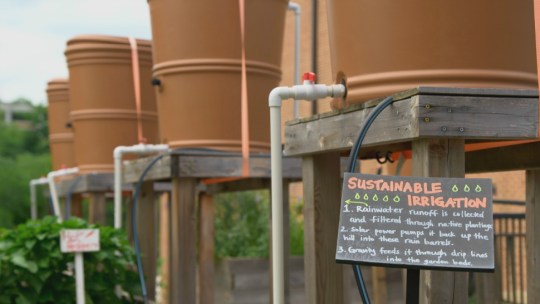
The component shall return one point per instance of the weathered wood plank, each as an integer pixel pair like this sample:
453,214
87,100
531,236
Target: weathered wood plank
183,241
441,158
164,245
133,169
477,117
517,157
92,182
395,124
378,279
323,277
206,249
245,184
147,229
533,233
213,167
417,117
207,166
97,209
486,289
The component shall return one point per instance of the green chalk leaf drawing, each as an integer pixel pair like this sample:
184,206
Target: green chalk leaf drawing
349,201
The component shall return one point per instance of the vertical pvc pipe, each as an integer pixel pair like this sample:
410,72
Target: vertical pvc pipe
33,201
79,277
296,8
117,190
277,206
54,198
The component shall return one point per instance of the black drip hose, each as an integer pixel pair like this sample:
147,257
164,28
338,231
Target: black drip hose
138,187
350,168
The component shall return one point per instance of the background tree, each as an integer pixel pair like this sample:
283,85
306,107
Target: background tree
24,155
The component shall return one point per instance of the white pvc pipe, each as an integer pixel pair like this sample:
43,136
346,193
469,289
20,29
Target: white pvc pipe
117,155
33,198
52,188
308,91
79,277
293,6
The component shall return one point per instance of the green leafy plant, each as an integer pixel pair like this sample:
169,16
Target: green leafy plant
242,223
33,270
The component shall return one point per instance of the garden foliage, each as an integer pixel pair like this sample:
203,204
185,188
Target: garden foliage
33,270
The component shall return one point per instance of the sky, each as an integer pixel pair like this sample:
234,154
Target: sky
33,36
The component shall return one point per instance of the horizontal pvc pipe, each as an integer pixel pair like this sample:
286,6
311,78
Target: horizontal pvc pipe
118,152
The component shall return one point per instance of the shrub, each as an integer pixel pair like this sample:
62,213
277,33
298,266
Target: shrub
242,223
33,270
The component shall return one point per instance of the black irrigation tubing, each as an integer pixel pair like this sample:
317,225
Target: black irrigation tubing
350,168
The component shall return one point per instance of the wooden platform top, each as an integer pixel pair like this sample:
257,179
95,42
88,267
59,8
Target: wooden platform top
205,163
422,112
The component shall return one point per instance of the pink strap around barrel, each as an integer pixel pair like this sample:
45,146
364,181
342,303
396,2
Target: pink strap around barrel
537,32
137,87
244,96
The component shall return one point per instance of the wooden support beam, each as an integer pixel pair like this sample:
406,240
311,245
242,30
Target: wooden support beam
441,158
164,246
206,249
486,289
208,166
76,206
147,230
183,246
286,242
323,277
245,184
451,113
378,279
517,157
533,233
97,208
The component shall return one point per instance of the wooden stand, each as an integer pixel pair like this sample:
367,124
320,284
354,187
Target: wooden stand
94,186
435,123
187,170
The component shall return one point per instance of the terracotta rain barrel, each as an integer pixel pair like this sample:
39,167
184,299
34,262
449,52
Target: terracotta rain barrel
60,134
388,46
197,55
103,107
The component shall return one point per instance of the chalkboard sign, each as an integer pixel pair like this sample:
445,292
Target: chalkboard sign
413,222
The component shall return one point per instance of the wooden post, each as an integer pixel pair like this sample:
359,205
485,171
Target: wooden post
286,244
164,245
322,185
378,279
96,208
146,226
533,229
441,158
206,249
183,246
486,290
76,205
